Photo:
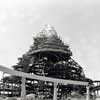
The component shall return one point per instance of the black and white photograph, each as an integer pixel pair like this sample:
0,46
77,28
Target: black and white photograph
49,49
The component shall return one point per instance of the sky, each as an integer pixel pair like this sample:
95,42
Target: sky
77,22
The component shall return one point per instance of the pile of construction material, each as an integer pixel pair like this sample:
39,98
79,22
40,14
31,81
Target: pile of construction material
27,97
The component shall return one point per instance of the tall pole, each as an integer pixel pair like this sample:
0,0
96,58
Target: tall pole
88,93
55,92
3,82
23,89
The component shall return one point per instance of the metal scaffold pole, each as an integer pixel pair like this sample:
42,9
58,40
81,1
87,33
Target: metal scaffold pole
23,89
3,82
88,93
55,92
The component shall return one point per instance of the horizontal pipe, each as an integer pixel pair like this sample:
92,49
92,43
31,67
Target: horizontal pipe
42,78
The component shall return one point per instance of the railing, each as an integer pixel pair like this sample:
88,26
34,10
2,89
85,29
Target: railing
42,78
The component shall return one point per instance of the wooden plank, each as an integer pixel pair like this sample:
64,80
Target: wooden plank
54,80
49,49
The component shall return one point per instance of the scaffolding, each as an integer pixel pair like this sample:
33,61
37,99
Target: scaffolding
49,57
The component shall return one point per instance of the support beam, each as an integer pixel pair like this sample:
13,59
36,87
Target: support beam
55,92
42,78
88,93
23,89
54,80
3,82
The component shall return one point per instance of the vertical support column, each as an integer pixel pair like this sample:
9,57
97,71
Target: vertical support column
97,93
55,92
87,94
3,83
23,89
97,90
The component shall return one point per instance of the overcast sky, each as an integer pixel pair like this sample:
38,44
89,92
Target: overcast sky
77,22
